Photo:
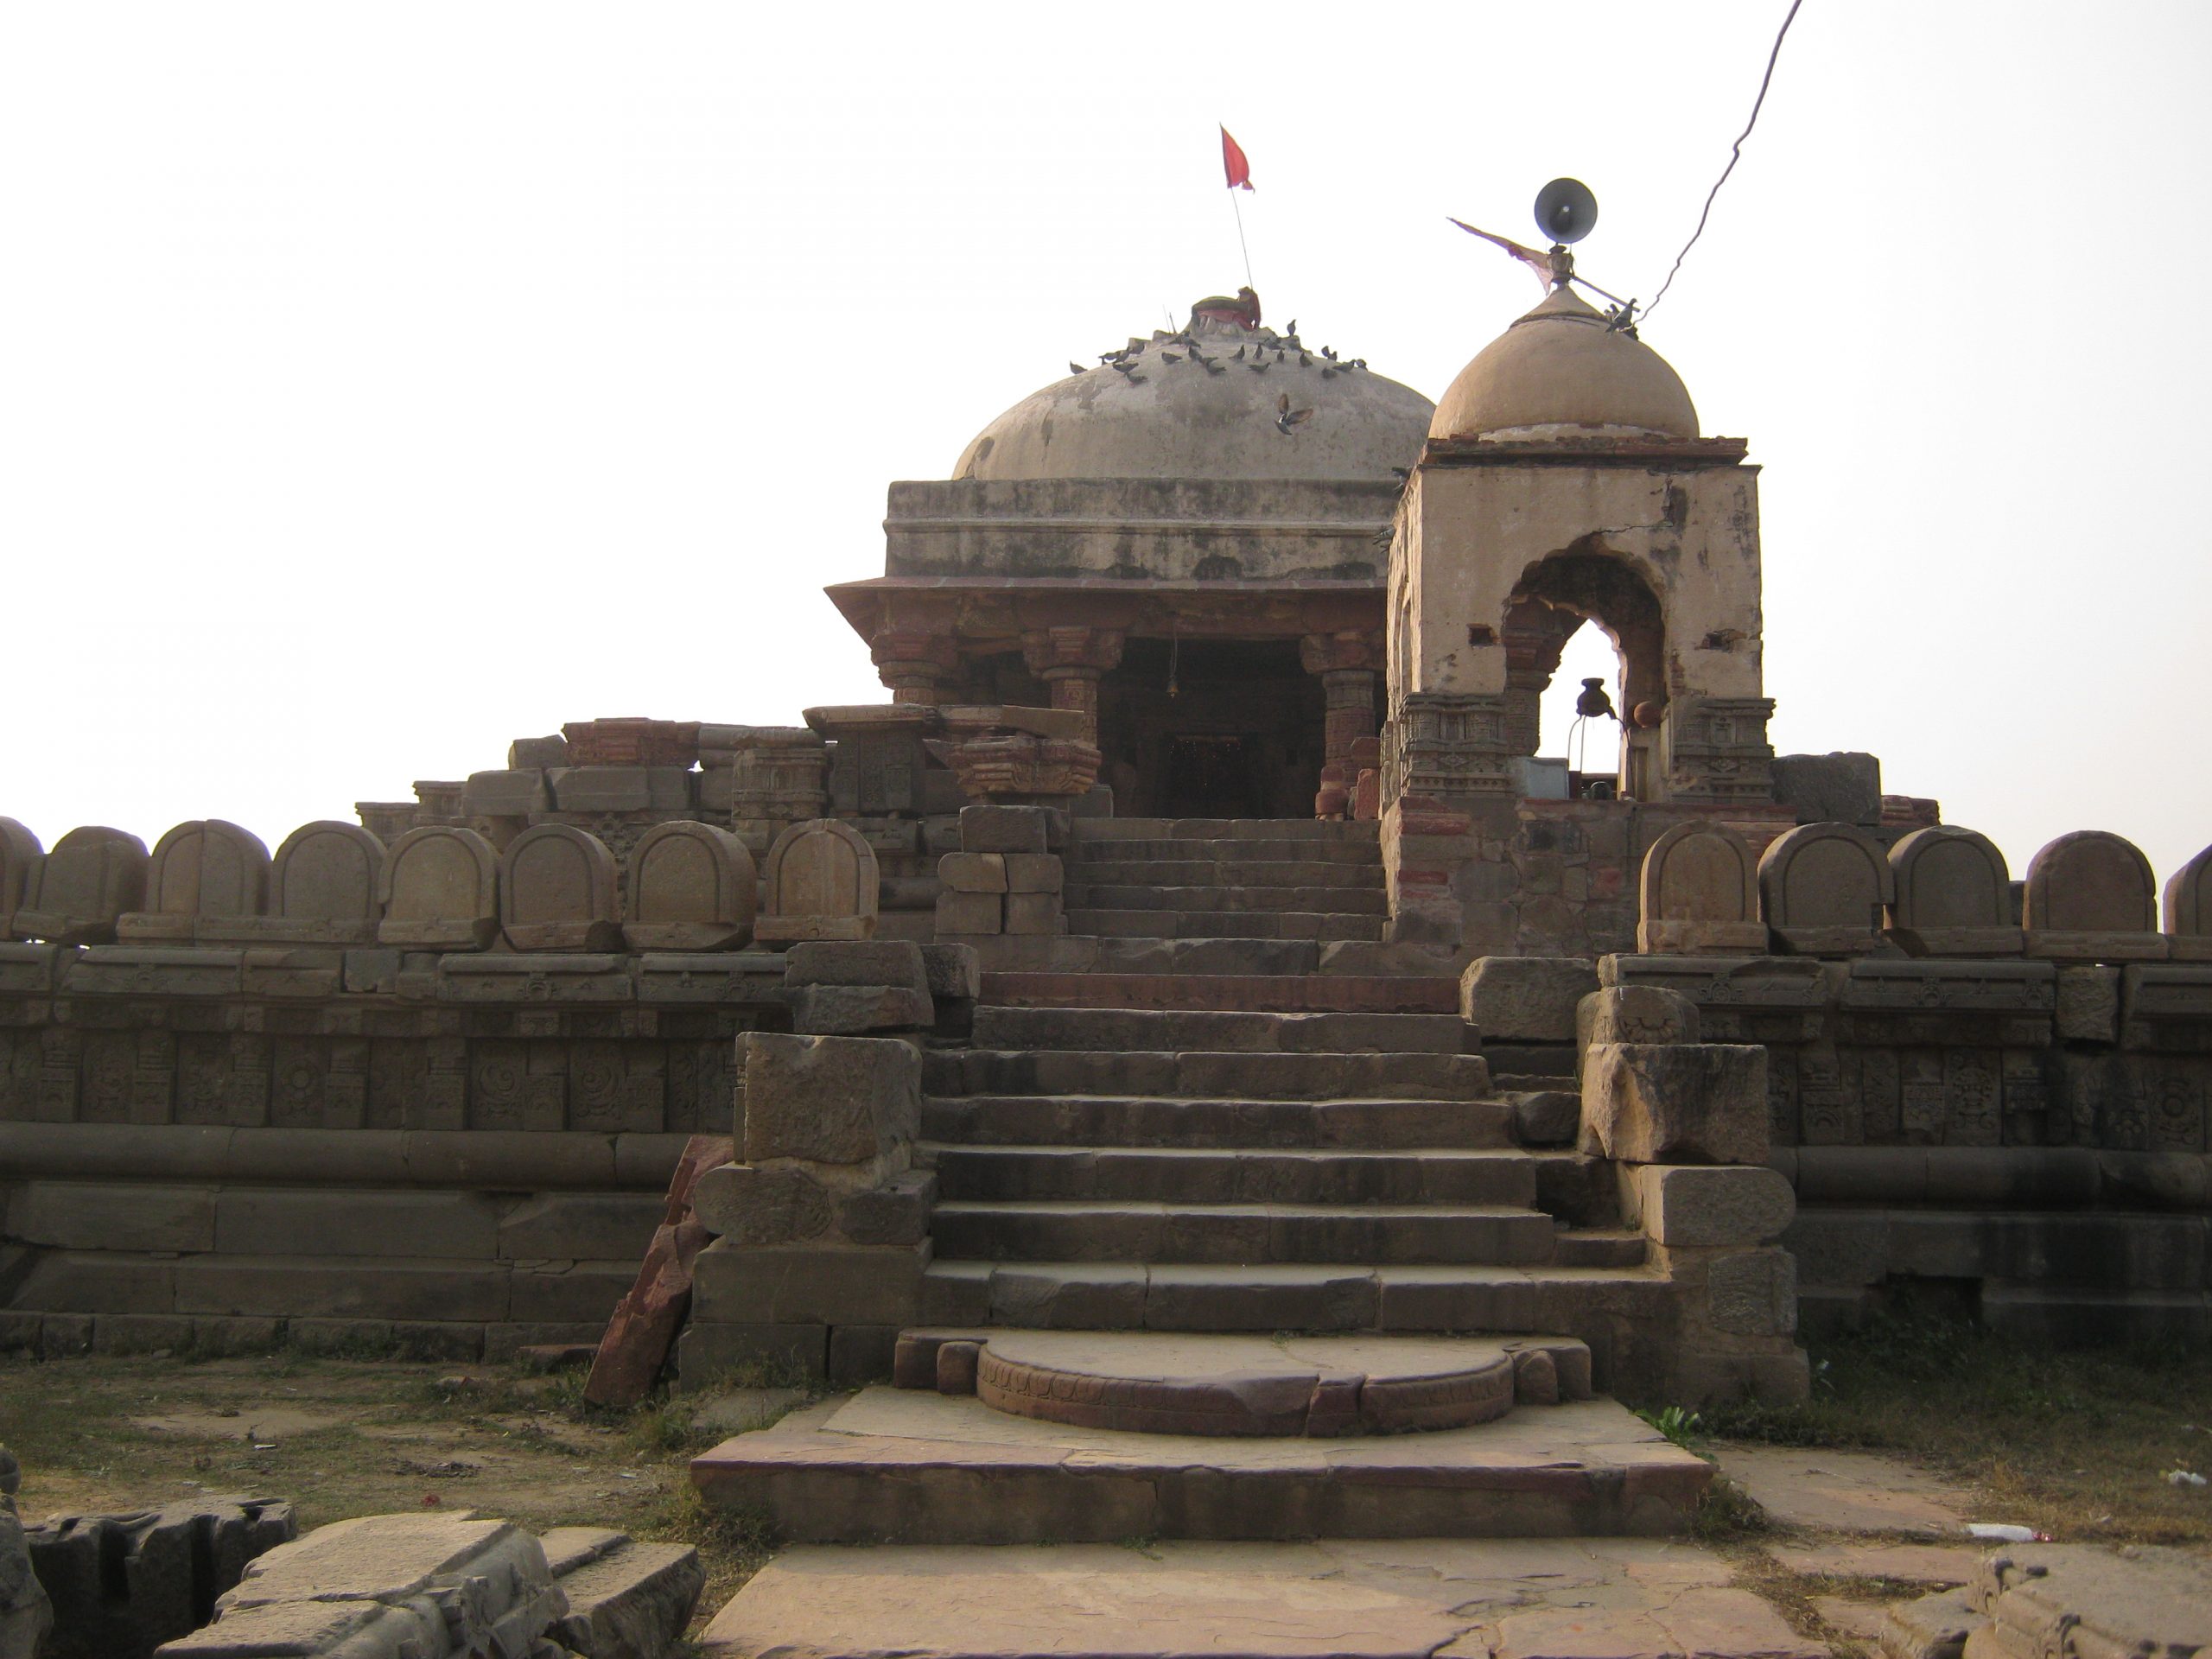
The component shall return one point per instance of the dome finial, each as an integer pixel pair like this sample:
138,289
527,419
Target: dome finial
1243,310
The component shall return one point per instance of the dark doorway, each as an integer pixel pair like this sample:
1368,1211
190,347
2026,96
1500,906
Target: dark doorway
1214,778
1239,735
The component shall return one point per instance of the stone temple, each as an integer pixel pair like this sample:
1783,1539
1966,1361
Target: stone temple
1186,1051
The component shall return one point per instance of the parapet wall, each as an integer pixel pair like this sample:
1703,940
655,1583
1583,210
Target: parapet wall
462,1152
2024,1139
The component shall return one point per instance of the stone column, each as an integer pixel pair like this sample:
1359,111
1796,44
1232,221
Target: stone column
1346,663
916,664
1071,661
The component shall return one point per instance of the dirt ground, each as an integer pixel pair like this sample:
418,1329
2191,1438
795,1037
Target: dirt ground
342,1438
1961,1426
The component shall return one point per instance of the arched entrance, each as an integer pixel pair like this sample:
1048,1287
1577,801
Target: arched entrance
1553,598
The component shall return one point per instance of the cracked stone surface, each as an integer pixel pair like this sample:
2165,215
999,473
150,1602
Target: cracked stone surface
1583,1598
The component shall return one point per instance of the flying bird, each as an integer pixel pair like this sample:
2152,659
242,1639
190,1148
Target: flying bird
1287,419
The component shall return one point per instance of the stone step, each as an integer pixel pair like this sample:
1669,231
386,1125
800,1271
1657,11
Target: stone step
1203,1076
895,1466
1609,1247
1598,1598
1227,872
1310,830
1131,1121
1216,901
1358,855
1175,1031
1591,1303
1158,1382
1222,925
1240,1175
1285,993
1129,1230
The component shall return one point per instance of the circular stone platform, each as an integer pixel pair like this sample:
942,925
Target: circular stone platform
1242,1385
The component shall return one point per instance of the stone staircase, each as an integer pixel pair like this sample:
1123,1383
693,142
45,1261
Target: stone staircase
1227,1245
1201,1170
1221,879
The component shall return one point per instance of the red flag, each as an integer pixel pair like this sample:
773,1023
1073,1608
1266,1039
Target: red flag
1234,164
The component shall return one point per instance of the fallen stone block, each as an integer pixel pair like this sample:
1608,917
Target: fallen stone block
400,1586
626,1601
123,1585
1526,999
26,1614
1934,1627
1009,829
2092,1599
645,1323
1680,1103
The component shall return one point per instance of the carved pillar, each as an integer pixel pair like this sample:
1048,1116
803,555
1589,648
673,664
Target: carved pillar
1071,661
917,663
1346,663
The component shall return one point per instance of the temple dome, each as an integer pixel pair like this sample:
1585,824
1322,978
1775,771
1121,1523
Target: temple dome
1163,413
1559,371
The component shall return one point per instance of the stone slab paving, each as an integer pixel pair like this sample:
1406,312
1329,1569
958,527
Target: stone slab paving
1846,1491
1931,1564
1588,1599
896,1465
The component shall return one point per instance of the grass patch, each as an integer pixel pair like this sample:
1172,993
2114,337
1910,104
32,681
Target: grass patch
2073,1441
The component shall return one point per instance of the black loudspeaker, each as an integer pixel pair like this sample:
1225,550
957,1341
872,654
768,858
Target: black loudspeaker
1566,210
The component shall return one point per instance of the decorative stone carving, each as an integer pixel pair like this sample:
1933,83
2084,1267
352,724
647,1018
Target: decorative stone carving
1954,895
821,882
1698,894
440,890
20,853
2091,897
776,779
1822,890
877,766
557,891
205,869
92,876
2188,909
1676,1103
691,887
1018,766
322,891
633,742
1450,744
1716,750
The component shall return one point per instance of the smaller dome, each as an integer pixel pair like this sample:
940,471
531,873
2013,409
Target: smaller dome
1559,371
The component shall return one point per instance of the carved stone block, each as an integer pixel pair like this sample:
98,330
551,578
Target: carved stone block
557,891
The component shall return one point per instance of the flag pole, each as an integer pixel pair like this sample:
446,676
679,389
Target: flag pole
1238,208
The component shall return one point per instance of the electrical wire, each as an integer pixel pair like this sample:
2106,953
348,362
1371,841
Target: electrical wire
1735,155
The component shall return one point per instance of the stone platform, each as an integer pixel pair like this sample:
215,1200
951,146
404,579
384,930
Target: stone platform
1155,1383
1595,1598
896,1466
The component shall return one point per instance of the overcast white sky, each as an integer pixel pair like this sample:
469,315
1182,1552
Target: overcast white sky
380,383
